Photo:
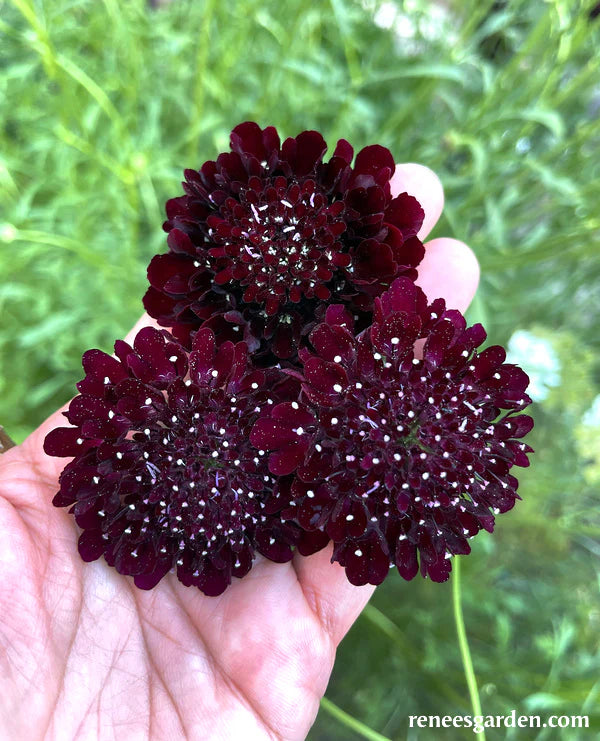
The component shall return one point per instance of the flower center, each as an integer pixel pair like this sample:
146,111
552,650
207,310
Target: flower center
279,240
423,439
206,483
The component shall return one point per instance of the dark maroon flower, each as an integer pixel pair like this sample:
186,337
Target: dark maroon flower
270,231
163,473
400,460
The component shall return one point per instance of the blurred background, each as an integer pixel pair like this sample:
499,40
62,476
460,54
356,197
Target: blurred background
103,104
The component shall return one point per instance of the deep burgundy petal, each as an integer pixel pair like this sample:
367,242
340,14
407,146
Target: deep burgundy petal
285,460
520,425
150,580
247,138
406,560
91,546
406,214
365,562
64,441
332,343
329,378
344,150
488,361
268,434
372,159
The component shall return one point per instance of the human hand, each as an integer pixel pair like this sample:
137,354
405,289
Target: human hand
85,654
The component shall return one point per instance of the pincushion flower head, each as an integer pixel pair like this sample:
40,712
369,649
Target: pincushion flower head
163,474
400,459
268,233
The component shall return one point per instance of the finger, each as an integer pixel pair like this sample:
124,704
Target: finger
450,271
335,601
422,183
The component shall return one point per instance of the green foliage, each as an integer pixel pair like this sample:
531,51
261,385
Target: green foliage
104,103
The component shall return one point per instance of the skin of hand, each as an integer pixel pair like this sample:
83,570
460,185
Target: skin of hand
85,654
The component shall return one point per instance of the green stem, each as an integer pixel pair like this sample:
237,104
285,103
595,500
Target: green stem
463,643
350,722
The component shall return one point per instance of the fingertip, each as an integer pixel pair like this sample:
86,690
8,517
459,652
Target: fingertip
422,183
449,270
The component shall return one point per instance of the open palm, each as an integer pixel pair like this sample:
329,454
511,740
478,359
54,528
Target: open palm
85,654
